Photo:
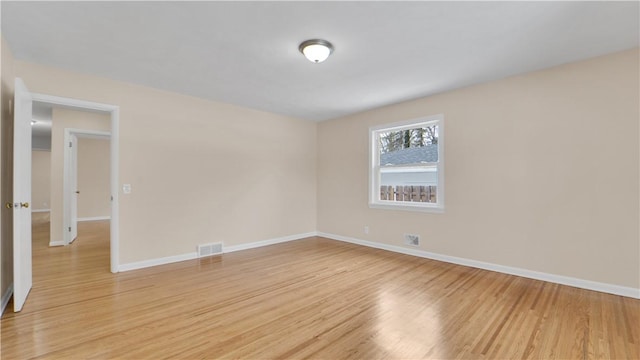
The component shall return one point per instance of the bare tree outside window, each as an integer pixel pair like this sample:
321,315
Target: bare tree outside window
403,139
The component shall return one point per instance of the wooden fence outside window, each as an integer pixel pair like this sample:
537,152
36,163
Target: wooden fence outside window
408,193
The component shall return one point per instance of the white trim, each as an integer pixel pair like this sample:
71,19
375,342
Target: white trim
5,299
88,134
72,103
406,205
159,261
408,124
56,243
256,244
114,111
558,279
115,173
194,255
40,210
428,167
94,218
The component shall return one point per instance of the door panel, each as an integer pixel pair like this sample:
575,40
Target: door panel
21,195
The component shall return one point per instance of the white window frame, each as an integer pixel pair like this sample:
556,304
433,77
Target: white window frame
374,166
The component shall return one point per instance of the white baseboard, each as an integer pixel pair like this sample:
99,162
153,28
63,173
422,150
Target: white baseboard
158,261
194,255
95,218
255,244
558,279
5,299
40,210
56,243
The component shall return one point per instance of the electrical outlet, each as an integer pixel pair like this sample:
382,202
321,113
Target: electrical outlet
366,229
412,239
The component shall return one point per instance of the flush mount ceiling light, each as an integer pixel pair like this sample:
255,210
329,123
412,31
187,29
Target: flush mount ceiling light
316,50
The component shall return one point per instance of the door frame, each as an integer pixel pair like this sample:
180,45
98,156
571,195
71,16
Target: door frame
114,112
68,171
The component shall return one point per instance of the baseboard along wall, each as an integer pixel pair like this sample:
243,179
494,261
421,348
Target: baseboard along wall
225,249
94,218
552,278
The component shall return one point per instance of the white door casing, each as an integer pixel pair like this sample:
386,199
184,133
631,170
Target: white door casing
74,188
114,112
22,273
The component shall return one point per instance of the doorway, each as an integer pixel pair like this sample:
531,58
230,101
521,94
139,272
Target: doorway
22,237
113,112
96,194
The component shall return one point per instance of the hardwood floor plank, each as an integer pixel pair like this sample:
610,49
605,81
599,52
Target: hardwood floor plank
313,298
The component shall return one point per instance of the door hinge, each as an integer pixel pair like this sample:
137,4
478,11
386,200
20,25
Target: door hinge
70,144
69,228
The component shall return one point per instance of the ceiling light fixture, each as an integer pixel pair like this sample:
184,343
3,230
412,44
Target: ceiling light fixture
316,50
33,122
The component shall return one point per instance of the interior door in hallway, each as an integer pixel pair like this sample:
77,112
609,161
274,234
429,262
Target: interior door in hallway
22,276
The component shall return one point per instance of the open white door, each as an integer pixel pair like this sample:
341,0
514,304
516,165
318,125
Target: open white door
21,195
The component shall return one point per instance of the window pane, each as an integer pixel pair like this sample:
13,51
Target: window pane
424,194
414,184
411,146
409,176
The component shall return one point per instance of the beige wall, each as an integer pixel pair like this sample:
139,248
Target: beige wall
200,171
555,189
66,119
93,178
40,179
6,159
541,173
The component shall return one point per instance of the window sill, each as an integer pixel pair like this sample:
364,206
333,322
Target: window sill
408,207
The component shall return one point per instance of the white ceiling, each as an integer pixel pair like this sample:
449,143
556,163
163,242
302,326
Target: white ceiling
246,53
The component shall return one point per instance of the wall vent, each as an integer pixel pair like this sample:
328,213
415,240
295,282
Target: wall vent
209,249
412,239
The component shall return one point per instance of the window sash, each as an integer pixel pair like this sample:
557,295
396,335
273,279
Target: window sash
408,125
430,165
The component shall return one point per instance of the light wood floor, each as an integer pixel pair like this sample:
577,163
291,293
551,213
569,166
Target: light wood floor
312,298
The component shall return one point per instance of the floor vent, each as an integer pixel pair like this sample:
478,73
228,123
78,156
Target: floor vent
209,249
411,239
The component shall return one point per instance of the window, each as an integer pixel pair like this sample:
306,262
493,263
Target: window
406,169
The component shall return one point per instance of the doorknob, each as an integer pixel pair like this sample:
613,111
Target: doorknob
24,205
8,205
